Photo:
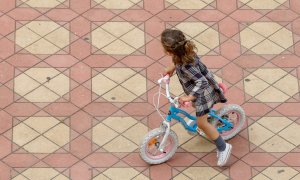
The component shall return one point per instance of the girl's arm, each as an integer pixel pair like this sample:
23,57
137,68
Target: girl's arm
170,70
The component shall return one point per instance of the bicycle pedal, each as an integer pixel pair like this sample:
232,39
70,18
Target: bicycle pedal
201,133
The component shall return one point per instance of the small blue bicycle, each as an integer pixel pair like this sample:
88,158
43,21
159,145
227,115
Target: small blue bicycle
160,144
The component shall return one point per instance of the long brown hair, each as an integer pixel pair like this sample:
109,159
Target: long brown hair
175,42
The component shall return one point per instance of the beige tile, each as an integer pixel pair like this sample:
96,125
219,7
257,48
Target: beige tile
280,173
270,75
263,4
25,37
192,28
265,28
182,134
141,177
112,4
135,38
119,94
261,177
275,124
42,27
101,38
101,177
258,134
24,84
60,177
40,173
267,47
41,124
190,4
255,85
59,134
250,38
41,145
118,28
244,1
60,37
59,84
291,133
121,173
175,86
119,124
198,144
277,144
136,84
136,133
118,48
296,177
272,94
283,38
101,84
220,177
288,84
120,144
201,49
41,74
209,38
43,4
118,75
181,177
42,47
41,94
22,134
103,134
198,172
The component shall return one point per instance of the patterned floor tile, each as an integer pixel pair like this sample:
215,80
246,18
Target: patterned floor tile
41,173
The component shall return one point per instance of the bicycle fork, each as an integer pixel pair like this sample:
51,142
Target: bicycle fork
167,127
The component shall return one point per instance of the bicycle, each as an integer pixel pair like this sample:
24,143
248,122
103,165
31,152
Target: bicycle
160,144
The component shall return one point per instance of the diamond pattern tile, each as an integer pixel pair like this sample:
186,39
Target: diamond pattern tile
77,79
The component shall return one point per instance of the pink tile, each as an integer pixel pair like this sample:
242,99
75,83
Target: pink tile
7,25
154,49
7,5
154,120
182,159
81,147
227,6
240,170
289,109
154,26
24,14
215,62
20,160
81,96
80,49
80,26
154,71
22,109
6,97
101,160
98,14
287,61
295,5
172,15
240,146
61,14
6,72
296,26
61,109
230,50
138,109
250,61
154,6
246,15
137,61
210,159
162,171
81,122
5,170
135,15
229,27
297,48
61,60
100,109
5,146
209,15
256,109
23,60
259,159
5,121
80,6
80,171
98,61
60,160
232,73
134,160
292,159
282,15
6,48
235,96
81,72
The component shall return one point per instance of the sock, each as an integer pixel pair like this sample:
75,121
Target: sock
220,143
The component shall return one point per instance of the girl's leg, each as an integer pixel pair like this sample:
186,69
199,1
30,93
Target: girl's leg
207,128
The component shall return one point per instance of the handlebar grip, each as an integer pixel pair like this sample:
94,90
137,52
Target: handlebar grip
187,104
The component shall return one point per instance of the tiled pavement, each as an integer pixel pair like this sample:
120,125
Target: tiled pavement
77,79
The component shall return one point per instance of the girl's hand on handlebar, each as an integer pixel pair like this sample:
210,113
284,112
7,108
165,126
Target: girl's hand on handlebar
184,100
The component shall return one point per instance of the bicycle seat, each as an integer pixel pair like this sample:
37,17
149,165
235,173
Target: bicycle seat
223,87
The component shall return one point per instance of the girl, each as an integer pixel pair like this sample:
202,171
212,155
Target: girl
198,83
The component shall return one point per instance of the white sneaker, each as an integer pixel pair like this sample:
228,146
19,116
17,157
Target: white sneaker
223,156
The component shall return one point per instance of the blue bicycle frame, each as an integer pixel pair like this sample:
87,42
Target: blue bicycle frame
173,111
